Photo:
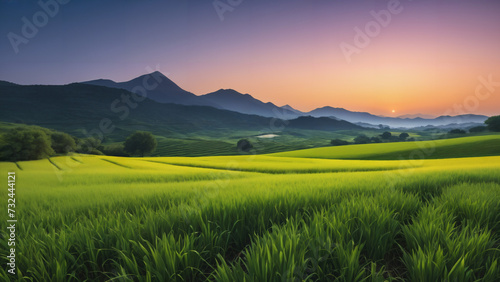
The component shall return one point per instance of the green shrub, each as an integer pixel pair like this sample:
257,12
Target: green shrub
62,143
26,143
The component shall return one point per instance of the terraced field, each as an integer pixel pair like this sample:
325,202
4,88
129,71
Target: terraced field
297,216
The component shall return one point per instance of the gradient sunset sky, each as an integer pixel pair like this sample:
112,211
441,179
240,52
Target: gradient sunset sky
426,60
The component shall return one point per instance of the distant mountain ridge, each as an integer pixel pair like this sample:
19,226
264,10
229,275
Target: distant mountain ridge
168,91
412,116
230,99
76,108
160,89
367,118
321,123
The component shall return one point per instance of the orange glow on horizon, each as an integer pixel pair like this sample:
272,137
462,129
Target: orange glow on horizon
422,66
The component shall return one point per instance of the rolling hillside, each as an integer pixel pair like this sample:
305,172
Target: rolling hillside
169,92
79,109
488,145
253,218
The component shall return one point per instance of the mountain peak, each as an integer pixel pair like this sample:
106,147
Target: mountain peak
102,80
157,73
290,108
229,90
7,83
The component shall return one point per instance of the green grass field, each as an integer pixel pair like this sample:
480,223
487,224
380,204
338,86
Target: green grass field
433,149
354,213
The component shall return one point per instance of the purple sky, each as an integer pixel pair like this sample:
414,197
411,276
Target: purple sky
427,59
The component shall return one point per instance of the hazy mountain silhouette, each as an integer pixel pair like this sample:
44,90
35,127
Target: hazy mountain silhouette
367,118
321,123
76,107
232,100
290,111
168,92
6,83
159,88
417,116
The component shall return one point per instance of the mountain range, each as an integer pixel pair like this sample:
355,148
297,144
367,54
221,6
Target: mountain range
162,89
167,91
228,99
417,116
370,119
83,110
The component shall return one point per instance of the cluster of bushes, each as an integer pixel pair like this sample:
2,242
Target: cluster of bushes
34,143
384,137
477,129
491,124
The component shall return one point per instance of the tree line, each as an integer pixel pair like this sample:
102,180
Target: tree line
34,143
492,124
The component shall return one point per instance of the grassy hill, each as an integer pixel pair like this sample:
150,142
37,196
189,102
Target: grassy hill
255,218
488,145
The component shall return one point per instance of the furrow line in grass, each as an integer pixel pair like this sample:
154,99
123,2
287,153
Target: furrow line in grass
276,171
18,166
115,163
54,164
76,160
207,167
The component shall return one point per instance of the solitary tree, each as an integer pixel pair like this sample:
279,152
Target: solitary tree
140,143
244,145
386,135
493,123
26,144
403,136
